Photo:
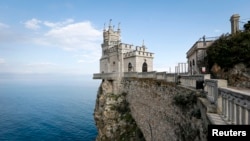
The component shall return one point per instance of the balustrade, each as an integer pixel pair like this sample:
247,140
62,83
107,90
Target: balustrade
235,106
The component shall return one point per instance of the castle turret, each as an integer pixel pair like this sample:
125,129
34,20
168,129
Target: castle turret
110,36
111,56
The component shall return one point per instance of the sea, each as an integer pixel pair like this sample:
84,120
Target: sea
47,107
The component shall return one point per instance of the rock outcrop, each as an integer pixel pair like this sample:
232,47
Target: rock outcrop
238,76
113,117
151,110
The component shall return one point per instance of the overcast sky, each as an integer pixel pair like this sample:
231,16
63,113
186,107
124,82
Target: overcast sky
65,36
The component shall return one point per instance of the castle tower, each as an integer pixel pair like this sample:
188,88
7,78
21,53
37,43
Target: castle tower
109,61
234,23
111,37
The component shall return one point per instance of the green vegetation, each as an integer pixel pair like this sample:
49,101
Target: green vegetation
230,50
196,113
130,130
185,100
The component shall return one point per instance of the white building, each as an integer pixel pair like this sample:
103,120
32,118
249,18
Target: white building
119,57
197,53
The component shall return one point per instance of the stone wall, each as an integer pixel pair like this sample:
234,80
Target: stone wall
165,112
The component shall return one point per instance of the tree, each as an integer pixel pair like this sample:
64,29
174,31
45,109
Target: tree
247,26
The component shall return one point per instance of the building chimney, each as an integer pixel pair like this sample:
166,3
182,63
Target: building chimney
234,23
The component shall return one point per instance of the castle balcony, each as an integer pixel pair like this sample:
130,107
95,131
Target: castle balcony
107,76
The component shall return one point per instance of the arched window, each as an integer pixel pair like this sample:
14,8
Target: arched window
193,62
129,67
144,67
114,69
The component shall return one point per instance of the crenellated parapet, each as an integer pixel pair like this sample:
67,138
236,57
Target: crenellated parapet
138,53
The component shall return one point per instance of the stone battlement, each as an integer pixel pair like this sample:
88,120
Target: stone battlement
138,53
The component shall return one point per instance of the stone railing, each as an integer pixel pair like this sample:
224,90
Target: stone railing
161,75
211,87
231,104
146,74
185,80
235,106
171,77
192,80
130,74
108,76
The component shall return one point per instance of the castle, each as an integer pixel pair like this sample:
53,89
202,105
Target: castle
119,57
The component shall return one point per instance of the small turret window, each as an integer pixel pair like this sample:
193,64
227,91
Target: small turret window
129,67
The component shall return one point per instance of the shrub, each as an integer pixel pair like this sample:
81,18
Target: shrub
185,100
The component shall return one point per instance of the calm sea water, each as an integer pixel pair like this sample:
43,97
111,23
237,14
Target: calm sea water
47,110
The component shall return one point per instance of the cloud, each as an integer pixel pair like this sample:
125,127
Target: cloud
32,24
80,38
58,24
68,35
71,36
2,60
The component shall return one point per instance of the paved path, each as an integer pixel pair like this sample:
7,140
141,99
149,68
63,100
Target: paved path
216,119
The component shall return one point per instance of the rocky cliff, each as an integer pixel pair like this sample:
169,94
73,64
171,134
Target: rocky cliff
146,109
113,117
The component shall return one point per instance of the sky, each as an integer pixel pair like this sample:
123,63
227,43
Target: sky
65,36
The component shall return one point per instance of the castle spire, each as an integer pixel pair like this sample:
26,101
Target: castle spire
104,27
118,26
110,24
143,43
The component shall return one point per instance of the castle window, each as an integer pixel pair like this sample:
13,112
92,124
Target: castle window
129,67
114,69
144,67
193,62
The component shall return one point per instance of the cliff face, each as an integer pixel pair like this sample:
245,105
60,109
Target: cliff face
113,117
160,110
